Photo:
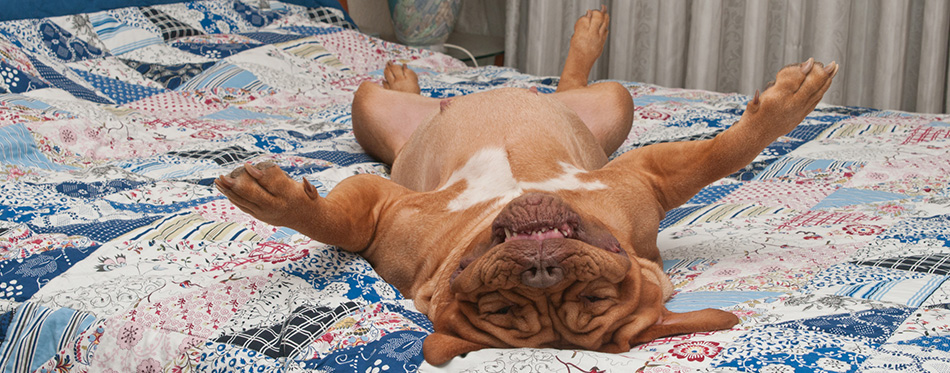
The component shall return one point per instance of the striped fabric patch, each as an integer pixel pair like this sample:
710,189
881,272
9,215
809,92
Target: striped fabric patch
224,75
697,300
723,212
33,328
310,48
794,166
857,129
117,90
911,292
18,148
119,37
190,226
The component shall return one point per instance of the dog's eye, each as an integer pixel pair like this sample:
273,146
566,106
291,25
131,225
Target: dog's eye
500,311
593,299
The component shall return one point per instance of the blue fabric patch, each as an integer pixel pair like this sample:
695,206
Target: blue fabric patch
445,92
40,334
941,343
17,147
698,300
275,144
712,194
214,51
96,189
318,136
848,197
255,16
224,75
4,325
170,208
912,230
675,215
18,81
790,350
782,147
312,31
21,278
103,231
62,82
117,90
876,325
339,157
272,37
212,21
831,359
233,113
64,45
808,132
750,171
395,352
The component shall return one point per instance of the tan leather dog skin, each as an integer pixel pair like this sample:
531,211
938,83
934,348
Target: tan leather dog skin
504,220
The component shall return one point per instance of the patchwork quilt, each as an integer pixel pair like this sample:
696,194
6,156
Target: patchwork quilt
117,254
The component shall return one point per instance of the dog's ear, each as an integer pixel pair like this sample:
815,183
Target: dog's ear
438,348
706,320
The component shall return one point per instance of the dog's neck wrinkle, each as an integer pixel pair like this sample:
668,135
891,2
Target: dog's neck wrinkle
429,295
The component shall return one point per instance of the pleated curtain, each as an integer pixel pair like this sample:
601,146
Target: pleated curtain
893,53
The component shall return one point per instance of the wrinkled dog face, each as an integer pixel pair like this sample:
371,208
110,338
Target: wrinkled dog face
548,278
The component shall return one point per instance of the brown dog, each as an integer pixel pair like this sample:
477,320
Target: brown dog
503,219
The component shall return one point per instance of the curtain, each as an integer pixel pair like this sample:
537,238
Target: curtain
893,53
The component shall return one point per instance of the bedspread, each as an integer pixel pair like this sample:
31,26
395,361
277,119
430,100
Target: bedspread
119,255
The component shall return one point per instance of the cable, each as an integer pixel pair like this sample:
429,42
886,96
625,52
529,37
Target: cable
474,62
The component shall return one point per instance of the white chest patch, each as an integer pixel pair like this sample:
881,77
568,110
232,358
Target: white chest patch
488,176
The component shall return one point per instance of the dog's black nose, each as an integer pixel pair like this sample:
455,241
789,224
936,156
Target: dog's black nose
543,274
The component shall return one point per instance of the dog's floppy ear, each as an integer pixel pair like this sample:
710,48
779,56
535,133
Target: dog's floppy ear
672,323
438,348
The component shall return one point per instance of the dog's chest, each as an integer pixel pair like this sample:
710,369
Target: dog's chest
489,176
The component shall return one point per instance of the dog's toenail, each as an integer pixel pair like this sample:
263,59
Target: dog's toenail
831,68
807,65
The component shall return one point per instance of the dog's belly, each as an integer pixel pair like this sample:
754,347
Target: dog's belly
515,134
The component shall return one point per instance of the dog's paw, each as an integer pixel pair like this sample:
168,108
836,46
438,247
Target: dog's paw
590,33
400,78
267,193
793,95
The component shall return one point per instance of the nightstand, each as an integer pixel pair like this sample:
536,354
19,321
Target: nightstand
488,50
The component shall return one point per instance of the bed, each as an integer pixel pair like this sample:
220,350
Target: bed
119,255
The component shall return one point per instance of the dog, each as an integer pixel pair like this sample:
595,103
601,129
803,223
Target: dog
503,219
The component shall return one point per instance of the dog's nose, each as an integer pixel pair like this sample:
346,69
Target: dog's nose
543,274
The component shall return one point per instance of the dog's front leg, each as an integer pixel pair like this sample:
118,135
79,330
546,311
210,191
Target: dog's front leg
346,217
679,170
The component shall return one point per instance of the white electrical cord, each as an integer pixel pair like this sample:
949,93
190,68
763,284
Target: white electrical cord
474,62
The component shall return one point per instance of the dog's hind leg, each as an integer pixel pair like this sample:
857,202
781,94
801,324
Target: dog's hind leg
587,44
606,108
384,117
